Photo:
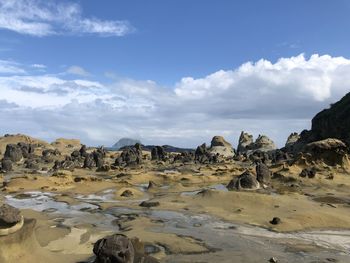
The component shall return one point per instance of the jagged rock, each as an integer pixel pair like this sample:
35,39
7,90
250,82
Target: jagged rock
263,174
89,161
291,141
220,146
246,181
158,153
13,152
203,155
116,248
83,151
9,215
6,165
130,156
245,141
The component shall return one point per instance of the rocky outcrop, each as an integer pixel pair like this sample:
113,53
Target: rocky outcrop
329,151
221,147
130,156
158,153
244,142
246,145
291,141
333,122
184,157
246,181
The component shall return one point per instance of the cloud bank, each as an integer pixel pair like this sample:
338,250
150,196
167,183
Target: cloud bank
43,18
262,97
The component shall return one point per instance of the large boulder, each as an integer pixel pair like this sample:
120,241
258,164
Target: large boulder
9,215
264,143
13,152
221,147
116,248
244,142
246,181
291,141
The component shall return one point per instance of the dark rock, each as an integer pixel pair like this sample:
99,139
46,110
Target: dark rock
83,151
127,193
263,174
89,161
116,248
275,221
204,156
6,165
158,153
184,157
130,156
151,185
13,152
273,260
150,204
244,142
308,172
246,181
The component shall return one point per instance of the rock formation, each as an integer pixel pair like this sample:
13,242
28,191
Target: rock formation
10,220
245,140
130,156
158,153
13,152
291,140
220,146
263,174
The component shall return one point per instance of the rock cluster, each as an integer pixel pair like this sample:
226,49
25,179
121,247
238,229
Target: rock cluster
158,153
130,156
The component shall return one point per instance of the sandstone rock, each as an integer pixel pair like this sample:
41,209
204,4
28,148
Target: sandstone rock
291,141
246,181
329,151
116,248
220,146
244,143
264,143
9,215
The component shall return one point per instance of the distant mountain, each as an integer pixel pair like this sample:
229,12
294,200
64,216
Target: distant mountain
124,142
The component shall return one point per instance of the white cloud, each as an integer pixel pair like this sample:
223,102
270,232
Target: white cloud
76,70
263,97
38,66
10,67
43,18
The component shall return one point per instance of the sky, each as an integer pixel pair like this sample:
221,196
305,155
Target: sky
170,72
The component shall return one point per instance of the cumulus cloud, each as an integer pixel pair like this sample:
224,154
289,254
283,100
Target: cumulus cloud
262,98
43,18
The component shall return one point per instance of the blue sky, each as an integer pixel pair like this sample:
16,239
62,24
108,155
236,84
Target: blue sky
169,71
